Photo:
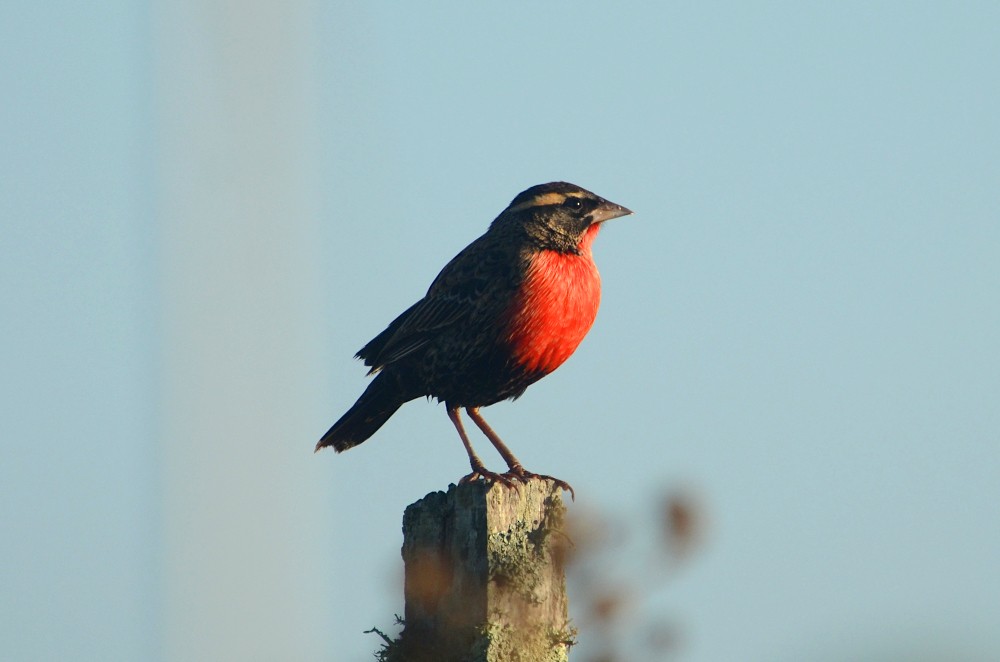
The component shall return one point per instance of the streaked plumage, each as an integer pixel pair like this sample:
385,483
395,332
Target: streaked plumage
502,314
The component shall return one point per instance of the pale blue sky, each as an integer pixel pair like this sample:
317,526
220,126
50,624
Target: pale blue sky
800,321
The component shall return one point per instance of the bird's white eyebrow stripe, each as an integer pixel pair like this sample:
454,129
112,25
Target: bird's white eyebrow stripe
544,199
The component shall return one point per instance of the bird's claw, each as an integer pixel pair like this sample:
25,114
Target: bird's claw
515,473
520,473
481,473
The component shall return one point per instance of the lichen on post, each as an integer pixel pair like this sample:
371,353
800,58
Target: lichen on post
484,576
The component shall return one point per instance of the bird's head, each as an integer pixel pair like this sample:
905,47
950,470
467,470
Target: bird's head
558,215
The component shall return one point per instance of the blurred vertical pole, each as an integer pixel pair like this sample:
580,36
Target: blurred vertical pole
245,528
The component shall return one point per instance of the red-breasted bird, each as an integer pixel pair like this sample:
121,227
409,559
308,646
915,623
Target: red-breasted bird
503,313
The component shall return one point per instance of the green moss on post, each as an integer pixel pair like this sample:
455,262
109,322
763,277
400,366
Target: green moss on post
484,580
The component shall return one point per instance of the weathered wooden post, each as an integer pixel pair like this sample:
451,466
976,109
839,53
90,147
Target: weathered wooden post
484,576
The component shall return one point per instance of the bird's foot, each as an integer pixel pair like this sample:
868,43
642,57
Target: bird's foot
518,472
482,473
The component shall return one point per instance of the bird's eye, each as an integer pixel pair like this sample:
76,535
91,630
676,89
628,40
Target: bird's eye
575,204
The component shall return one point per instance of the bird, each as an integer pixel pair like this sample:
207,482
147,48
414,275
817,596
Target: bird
506,311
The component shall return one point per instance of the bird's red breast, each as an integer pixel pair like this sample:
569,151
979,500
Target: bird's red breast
555,307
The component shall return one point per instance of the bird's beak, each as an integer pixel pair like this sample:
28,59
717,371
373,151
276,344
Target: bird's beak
608,210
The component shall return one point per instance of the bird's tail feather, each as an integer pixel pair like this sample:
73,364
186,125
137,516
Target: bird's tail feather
379,401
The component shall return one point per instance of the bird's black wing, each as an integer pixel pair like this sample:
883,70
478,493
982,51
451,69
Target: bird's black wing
413,329
465,280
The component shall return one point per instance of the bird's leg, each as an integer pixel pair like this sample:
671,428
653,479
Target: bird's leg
478,469
514,467
512,462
